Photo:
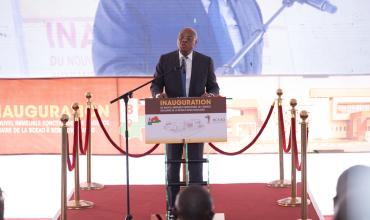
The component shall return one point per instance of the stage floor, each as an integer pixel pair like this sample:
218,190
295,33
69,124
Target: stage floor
31,183
236,201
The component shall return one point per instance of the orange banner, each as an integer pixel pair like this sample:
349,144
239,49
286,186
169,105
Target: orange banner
30,111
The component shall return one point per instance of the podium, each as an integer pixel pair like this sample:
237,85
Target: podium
193,120
184,121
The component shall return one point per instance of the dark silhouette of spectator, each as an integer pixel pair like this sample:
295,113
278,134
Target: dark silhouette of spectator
1,205
352,201
194,203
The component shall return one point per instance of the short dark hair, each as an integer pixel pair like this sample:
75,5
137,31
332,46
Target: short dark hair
1,205
194,203
353,194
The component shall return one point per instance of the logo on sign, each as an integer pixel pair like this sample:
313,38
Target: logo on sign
153,120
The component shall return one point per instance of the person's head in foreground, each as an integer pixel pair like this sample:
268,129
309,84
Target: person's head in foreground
194,203
352,201
1,205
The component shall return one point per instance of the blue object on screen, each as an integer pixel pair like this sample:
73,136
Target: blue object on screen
323,5
129,36
220,30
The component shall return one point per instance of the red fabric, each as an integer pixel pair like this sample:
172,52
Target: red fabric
236,201
251,143
88,128
281,124
294,144
115,145
71,165
80,137
28,219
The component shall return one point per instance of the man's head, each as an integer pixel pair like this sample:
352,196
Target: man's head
353,194
194,203
187,40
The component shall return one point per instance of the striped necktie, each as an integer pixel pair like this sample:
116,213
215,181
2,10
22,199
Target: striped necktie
183,75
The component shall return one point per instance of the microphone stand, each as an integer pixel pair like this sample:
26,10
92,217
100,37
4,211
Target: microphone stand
126,96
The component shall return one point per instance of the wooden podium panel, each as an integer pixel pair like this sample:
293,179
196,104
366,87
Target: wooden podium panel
192,120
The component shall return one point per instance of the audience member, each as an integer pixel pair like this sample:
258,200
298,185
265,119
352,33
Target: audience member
1,205
352,201
194,203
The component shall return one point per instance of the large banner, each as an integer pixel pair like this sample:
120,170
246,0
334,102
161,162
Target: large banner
338,106
30,112
61,38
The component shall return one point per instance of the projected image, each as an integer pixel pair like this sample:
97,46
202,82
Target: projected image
56,38
130,36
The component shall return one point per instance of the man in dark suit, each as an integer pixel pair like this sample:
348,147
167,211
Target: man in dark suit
129,36
196,78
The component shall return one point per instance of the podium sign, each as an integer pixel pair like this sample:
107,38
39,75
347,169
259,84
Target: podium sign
194,120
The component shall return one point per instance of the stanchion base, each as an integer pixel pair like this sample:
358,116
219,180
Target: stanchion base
79,204
279,184
290,202
91,186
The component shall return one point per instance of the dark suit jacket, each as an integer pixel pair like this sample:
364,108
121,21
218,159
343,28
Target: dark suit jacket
202,79
130,35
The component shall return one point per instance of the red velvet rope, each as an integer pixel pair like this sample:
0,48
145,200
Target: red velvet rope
88,129
290,141
71,165
115,145
251,143
296,160
80,137
281,124
83,150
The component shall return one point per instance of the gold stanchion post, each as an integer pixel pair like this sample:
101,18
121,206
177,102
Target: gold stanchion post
77,203
89,185
280,183
63,205
304,129
293,200
185,166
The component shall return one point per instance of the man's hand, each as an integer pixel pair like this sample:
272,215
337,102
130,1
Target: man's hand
161,95
205,95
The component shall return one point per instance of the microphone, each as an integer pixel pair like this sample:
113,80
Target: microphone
323,5
174,69
159,77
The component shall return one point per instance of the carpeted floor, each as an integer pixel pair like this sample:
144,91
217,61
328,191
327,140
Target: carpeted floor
236,201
